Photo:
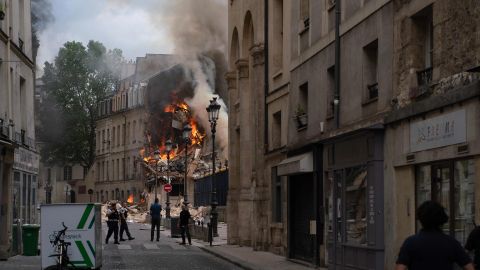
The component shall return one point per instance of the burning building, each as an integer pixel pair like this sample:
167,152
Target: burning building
120,132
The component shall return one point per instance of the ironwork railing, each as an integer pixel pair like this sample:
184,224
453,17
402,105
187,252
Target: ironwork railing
424,77
372,91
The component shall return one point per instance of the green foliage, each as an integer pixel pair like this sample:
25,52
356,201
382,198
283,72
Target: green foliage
78,79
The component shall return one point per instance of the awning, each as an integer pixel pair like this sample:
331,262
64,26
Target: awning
296,165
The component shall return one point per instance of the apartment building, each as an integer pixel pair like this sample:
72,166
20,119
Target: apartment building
120,133
356,125
18,157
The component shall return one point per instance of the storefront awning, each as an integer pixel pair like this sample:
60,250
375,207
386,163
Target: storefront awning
296,165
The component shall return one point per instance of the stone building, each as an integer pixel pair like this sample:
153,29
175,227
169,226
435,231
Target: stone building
18,157
120,134
432,137
318,156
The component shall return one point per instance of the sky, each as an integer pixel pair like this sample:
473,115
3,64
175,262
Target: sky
123,24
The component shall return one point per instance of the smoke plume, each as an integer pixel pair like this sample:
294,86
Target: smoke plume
198,30
42,16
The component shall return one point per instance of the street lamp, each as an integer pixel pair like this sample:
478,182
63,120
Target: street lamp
213,110
187,129
168,148
156,156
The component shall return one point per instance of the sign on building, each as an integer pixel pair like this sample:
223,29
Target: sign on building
443,130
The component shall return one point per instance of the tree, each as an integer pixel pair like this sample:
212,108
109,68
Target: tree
74,84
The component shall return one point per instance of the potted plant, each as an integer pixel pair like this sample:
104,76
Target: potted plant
2,12
301,117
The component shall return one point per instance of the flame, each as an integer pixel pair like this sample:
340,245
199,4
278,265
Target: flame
197,136
130,199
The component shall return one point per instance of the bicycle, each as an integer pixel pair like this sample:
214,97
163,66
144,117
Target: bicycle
61,247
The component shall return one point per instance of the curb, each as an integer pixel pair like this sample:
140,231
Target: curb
238,262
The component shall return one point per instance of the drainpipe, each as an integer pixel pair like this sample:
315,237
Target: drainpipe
266,83
336,100
7,70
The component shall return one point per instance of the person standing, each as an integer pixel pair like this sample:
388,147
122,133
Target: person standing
123,222
112,222
184,220
473,244
431,248
155,210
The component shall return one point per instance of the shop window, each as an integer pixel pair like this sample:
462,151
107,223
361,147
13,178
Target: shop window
355,205
451,184
277,191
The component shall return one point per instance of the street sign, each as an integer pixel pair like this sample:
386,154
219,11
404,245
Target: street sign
167,187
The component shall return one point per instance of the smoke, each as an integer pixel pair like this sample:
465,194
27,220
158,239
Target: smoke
198,30
42,16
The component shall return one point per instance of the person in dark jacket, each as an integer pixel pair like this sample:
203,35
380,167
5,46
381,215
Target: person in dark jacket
184,220
155,210
431,248
123,223
112,222
473,244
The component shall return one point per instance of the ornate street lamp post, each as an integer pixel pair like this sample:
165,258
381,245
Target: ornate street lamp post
168,148
156,156
187,129
213,110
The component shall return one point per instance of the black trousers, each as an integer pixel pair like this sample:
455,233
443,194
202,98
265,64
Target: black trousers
112,229
185,230
155,223
124,228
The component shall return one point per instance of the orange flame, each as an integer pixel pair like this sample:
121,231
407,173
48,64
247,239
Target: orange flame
130,199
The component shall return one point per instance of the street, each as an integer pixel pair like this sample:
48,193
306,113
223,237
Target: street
140,254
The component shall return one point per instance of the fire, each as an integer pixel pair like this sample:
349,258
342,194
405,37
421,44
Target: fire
130,199
197,136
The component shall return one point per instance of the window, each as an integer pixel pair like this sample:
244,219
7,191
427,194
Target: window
277,130
118,135
113,137
134,131
370,74
123,135
49,176
103,140
82,190
331,91
452,184
277,190
85,172
422,35
305,12
67,173
355,205
277,48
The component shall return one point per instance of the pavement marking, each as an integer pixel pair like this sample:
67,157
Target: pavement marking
150,246
124,247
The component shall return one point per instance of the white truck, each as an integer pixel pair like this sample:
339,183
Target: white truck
83,234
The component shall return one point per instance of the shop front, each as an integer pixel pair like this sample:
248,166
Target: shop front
354,201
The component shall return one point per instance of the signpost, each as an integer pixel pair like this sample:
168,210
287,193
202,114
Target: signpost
167,188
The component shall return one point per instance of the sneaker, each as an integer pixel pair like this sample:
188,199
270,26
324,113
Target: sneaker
131,238
123,240
181,243
116,243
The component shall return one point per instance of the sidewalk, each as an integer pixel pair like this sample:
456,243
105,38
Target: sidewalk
245,257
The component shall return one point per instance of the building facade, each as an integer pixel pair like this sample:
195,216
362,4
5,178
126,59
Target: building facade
18,157
385,107
432,134
120,133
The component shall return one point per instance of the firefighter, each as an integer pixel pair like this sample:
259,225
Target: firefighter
123,222
112,222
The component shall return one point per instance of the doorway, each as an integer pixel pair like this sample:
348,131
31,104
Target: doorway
301,209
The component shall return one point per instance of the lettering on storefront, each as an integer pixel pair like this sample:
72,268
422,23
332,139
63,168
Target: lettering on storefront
25,160
443,130
371,205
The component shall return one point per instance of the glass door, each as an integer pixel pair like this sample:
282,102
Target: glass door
441,181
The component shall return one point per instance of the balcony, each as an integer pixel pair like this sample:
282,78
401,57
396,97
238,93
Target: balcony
424,82
424,77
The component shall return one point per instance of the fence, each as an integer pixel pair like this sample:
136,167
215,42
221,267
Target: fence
203,189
